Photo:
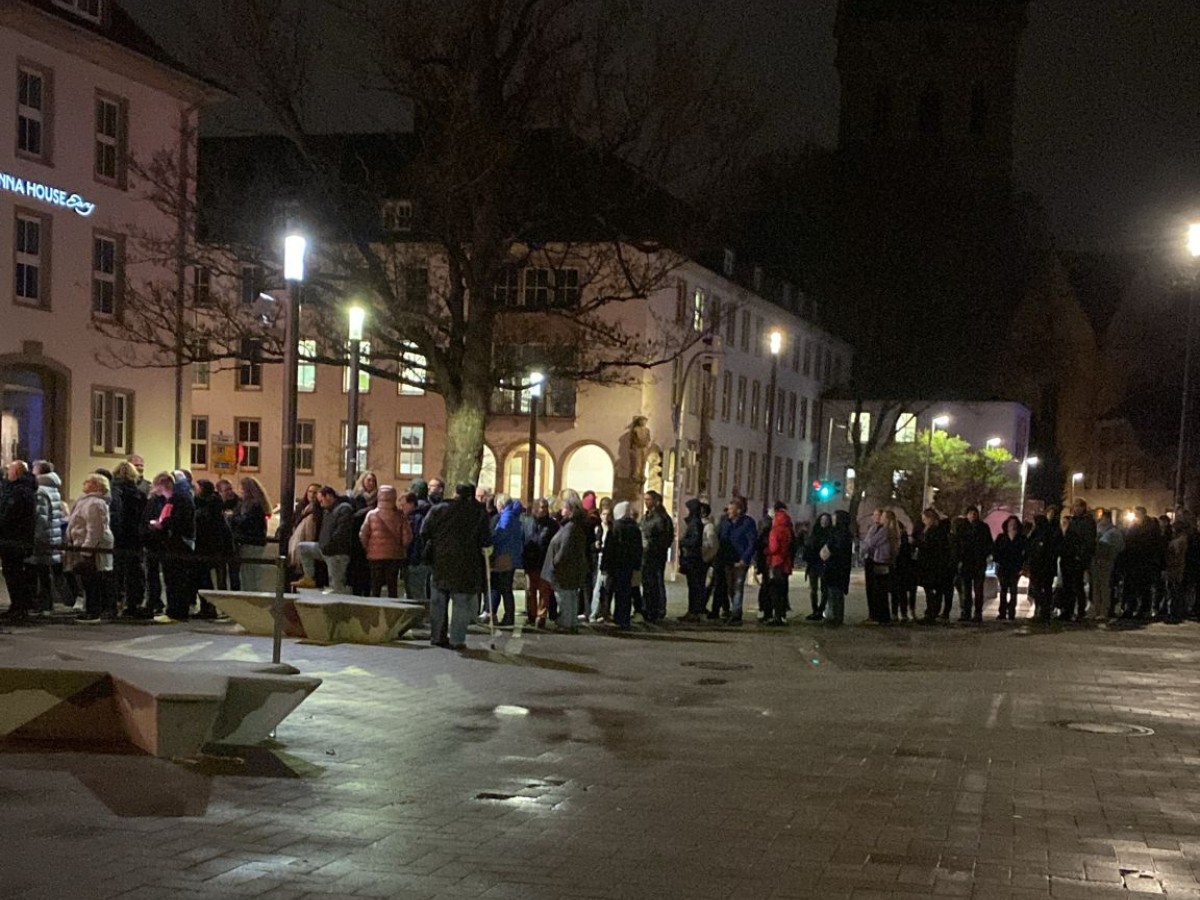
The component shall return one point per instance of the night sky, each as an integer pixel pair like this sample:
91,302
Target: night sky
1108,105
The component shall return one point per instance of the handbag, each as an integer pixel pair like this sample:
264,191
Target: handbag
80,563
826,554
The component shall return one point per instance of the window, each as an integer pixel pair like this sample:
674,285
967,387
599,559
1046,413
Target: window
545,288
729,263
250,366
410,450
507,290
758,336
92,10
33,113
306,369
741,400
804,418
807,359
776,476
755,403
306,434
199,443
722,471
791,415
726,395
201,286
251,284
795,356
364,441
414,371
397,216
1101,480
110,139
249,438
746,331
364,359
863,422
111,421
201,375
416,287
699,310
106,266
780,407
32,250
801,480
681,295
906,428
731,325
752,475
737,469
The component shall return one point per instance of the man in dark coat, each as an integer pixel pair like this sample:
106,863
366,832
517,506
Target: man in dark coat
691,561
620,558
18,524
836,579
333,543
975,547
455,534
1078,548
658,534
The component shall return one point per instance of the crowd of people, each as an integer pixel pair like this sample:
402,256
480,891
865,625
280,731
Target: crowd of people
144,549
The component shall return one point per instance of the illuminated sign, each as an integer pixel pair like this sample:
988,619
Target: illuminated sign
45,193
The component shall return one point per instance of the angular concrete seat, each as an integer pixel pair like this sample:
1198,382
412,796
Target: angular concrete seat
167,709
252,610
341,618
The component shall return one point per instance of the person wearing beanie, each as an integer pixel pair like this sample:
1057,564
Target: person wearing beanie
620,558
385,535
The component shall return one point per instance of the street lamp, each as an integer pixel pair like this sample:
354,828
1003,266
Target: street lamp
776,347
536,380
1026,464
938,422
1193,245
1077,478
355,315
295,246
994,443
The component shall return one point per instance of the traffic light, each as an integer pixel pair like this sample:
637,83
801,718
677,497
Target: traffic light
823,491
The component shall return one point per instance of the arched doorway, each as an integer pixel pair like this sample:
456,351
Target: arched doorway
487,471
517,465
33,413
589,467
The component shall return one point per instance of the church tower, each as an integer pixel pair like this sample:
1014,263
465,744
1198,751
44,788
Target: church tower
929,84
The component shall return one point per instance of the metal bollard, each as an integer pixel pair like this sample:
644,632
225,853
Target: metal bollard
277,607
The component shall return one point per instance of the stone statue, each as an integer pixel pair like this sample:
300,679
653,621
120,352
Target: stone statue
639,447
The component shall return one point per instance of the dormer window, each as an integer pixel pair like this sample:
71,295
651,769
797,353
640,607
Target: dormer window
730,261
397,216
92,10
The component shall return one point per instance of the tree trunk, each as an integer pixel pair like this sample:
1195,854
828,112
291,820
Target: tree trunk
466,423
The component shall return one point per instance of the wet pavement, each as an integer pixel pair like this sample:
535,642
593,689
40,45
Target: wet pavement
985,761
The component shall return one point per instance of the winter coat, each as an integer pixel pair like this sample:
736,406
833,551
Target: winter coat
151,537
385,532
88,528
455,534
214,539
622,548
18,514
1009,554
934,556
537,543
691,543
249,524
176,523
337,525
566,565
975,545
779,544
416,522
906,567
658,534
48,535
710,544
1079,542
817,539
1110,541
1042,551
508,538
128,511
1177,558
877,546
739,539
837,567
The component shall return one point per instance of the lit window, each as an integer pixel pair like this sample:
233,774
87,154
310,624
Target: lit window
33,113
699,310
110,138
306,369
364,440
726,395
413,371
105,279
198,457
249,438
111,421
30,254
906,428
306,431
410,450
551,287
861,423
364,359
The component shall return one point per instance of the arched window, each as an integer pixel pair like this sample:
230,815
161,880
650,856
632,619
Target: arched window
929,112
979,111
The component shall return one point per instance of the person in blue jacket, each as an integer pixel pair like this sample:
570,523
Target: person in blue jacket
739,539
508,542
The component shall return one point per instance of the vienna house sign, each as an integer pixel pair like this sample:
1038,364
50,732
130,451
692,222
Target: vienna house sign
45,193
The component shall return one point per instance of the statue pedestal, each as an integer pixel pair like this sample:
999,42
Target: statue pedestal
627,488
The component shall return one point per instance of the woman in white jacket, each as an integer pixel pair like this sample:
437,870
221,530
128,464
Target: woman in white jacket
88,531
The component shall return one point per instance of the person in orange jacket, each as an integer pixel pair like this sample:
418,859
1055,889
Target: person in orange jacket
779,566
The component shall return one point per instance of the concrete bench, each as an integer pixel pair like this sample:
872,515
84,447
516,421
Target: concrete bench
166,709
341,618
252,610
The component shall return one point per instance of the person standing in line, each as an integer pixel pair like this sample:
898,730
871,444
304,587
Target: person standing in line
90,535
456,534
620,558
658,536
601,607
1078,549
332,544
932,550
176,526
364,498
306,525
879,555
1042,557
779,559
385,536
976,547
18,527
838,556
508,542
214,544
740,538
1182,534
904,576
814,566
230,502
1110,543
249,525
127,514
1009,552
419,571
566,565
46,559
691,560
539,531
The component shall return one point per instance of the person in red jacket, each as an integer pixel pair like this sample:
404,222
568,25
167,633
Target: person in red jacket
779,567
385,536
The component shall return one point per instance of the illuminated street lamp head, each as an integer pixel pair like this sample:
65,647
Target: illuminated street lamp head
357,315
1078,476
994,442
294,247
1032,461
536,380
1194,240
776,342
941,421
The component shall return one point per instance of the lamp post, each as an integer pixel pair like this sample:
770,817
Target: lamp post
938,422
1193,251
776,346
1077,478
536,380
294,248
356,316
1026,464
994,443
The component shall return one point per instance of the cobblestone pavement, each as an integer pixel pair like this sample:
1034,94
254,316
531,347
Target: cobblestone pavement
864,763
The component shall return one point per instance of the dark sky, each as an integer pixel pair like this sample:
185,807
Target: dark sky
1108,100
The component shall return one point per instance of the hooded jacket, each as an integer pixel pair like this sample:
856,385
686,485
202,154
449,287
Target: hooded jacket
18,513
337,524
385,532
779,544
88,528
623,544
508,538
48,535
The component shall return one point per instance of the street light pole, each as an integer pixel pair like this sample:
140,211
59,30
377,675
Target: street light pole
1075,479
1025,466
1194,251
776,346
294,246
535,393
356,316
943,421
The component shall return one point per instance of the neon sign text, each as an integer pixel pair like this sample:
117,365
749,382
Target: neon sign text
45,193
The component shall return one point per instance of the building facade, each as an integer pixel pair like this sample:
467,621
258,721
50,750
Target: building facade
89,96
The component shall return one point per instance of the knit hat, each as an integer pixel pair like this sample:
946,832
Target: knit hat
621,510
420,487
